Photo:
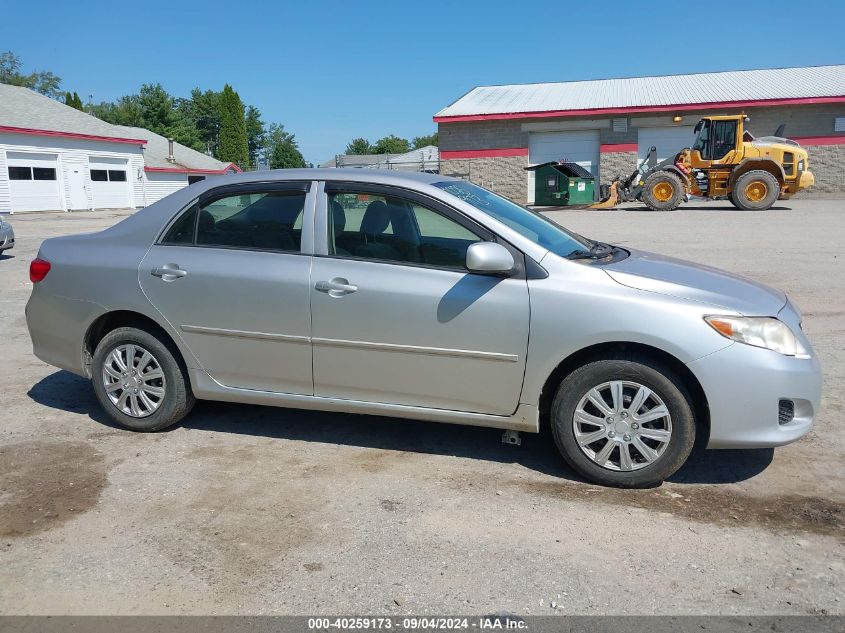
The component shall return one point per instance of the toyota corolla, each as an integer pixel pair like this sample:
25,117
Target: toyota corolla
420,296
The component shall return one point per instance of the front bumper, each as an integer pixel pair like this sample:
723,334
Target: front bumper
7,238
744,386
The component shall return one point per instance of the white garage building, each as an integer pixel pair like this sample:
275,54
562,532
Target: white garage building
56,158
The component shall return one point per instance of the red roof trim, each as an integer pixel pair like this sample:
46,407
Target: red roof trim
483,153
607,148
632,109
819,140
90,137
184,170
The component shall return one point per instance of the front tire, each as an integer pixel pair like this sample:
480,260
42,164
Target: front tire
139,382
663,191
756,190
625,422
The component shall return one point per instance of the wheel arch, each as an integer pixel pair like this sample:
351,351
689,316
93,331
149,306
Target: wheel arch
109,321
601,351
752,164
674,170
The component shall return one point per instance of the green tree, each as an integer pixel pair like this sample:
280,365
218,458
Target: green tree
359,146
255,133
125,111
283,149
205,112
391,145
156,107
41,81
10,68
425,141
73,101
233,146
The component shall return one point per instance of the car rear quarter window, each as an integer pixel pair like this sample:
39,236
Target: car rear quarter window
182,231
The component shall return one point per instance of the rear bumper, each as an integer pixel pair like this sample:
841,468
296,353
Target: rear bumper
744,386
57,327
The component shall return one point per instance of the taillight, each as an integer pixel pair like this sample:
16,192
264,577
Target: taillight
38,269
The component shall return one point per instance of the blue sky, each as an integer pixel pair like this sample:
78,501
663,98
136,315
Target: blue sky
330,71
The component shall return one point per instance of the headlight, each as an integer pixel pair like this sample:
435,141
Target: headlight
766,332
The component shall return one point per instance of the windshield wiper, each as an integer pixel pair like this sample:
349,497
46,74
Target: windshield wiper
599,250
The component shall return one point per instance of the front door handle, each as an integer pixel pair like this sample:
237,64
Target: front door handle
336,287
169,272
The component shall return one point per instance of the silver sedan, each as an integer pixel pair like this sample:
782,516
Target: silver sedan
7,236
420,296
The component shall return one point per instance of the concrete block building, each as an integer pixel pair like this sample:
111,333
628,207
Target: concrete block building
492,133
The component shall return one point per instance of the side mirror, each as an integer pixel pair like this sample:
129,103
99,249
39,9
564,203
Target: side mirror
489,257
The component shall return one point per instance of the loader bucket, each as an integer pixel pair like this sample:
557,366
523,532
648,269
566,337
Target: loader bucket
612,199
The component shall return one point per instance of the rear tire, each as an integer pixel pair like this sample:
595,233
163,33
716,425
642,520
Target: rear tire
663,191
650,418
139,381
755,190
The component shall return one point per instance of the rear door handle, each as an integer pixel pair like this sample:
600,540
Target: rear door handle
169,272
336,287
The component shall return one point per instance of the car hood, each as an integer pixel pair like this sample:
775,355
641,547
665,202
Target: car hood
696,282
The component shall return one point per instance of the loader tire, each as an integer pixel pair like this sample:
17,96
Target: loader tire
756,190
663,191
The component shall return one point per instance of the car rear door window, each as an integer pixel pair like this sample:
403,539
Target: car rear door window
262,220
388,228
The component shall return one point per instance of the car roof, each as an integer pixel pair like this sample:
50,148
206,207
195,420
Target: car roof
385,176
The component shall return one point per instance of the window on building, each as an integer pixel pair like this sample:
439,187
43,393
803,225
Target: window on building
20,173
117,175
43,173
99,175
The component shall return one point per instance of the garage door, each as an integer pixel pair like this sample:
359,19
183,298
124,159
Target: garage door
109,182
33,182
668,140
581,146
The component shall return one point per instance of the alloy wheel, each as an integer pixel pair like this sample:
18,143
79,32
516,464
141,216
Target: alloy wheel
134,380
622,425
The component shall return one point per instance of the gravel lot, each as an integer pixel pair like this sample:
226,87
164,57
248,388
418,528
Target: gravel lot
246,509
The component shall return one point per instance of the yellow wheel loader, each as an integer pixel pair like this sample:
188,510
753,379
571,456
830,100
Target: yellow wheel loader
725,161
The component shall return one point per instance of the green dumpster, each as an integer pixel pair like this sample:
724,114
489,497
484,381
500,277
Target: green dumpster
562,184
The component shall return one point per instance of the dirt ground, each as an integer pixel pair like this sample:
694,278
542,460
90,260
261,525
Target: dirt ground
253,510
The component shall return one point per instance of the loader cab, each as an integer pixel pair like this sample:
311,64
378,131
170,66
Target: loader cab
716,137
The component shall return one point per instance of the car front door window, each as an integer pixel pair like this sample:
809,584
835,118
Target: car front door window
388,228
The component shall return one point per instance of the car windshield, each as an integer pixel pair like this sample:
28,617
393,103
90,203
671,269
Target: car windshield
524,221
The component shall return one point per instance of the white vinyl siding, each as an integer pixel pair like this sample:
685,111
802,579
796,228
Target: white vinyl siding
577,146
668,140
161,184
34,193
